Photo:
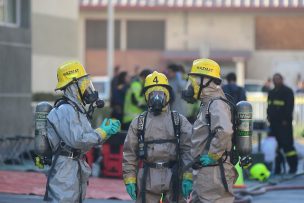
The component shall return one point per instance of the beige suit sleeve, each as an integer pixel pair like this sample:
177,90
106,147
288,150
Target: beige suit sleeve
130,159
222,126
185,145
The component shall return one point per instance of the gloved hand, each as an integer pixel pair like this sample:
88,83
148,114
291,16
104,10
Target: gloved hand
38,162
245,162
131,189
110,126
206,160
187,187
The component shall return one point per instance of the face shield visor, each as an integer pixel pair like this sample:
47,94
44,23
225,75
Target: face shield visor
192,90
88,93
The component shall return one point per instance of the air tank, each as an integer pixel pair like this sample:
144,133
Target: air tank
244,128
42,146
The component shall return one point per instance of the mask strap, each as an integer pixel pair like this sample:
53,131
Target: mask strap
203,86
79,91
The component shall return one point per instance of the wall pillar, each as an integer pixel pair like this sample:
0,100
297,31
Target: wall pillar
240,70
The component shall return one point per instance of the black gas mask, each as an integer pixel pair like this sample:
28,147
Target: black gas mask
194,87
90,96
86,90
157,101
188,95
192,90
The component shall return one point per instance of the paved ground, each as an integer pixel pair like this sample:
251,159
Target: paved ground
282,196
294,196
278,196
9,198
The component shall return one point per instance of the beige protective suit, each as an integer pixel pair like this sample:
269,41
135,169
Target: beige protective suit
207,182
158,180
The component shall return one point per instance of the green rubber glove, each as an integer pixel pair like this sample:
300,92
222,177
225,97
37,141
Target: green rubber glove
110,126
131,189
38,162
187,188
207,160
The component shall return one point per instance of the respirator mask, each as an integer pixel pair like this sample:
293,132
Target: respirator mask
87,91
192,90
157,101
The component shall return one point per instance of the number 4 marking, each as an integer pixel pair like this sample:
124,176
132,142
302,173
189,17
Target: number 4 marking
155,79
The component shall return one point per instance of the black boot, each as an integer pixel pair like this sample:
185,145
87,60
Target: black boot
293,164
279,163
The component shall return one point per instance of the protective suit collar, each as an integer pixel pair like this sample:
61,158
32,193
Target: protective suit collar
211,91
71,92
165,111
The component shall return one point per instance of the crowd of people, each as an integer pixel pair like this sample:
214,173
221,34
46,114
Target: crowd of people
127,99
127,94
165,157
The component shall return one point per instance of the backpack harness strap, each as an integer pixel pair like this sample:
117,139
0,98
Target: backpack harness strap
197,165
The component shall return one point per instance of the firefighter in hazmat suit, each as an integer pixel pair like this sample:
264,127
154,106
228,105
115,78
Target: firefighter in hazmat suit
213,174
156,148
70,135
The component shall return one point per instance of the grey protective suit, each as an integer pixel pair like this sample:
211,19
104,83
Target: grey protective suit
75,130
158,180
207,185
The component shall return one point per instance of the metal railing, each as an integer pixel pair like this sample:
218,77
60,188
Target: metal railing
259,105
12,149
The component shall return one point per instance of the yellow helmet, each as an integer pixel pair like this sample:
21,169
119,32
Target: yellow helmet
158,80
206,67
155,79
259,172
69,71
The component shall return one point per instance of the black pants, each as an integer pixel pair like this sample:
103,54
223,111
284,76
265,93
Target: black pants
284,137
125,126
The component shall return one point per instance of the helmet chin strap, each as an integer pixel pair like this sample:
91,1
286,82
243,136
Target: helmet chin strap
79,91
202,86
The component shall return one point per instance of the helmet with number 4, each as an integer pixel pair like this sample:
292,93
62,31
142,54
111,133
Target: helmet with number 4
157,81
157,91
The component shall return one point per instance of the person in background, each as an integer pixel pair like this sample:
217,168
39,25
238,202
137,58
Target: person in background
279,114
177,83
117,101
300,89
236,92
136,73
134,102
114,83
267,85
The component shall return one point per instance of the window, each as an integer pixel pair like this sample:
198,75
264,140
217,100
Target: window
148,35
279,32
96,34
10,12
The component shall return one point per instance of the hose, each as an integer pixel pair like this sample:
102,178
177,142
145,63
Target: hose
271,188
242,199
245,196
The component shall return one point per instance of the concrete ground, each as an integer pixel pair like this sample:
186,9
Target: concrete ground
277,196
9,198
292,190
